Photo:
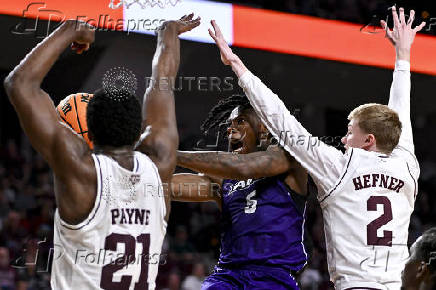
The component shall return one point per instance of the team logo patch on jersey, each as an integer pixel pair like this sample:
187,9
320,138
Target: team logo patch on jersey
239,185
134,178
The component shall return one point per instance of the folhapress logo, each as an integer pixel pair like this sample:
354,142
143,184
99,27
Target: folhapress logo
32,23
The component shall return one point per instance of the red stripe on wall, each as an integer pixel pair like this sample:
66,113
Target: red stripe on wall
326,39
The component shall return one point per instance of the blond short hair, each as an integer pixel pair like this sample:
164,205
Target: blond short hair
381,121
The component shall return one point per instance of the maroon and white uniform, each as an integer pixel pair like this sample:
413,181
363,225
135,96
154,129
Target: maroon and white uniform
118,245
366,197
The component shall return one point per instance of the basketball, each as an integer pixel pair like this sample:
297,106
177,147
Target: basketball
72,111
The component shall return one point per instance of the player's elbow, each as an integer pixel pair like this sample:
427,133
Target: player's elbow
10,83
14,84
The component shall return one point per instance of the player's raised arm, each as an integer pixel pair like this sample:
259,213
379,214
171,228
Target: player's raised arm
229,165
158,107
190,187
402,36
47,134
309,151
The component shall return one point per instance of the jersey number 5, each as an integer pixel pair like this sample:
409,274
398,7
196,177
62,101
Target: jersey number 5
108,270
371,228
251,205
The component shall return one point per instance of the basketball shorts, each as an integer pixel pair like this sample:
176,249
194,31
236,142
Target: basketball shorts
226,279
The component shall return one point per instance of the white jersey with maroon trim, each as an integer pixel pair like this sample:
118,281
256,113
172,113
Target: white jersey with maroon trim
118,245
367,198
366,221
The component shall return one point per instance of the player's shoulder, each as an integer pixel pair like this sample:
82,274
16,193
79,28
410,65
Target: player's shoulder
143,157
409,158
366,154
145,163
358,159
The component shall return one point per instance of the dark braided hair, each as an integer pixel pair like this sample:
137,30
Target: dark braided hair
221,111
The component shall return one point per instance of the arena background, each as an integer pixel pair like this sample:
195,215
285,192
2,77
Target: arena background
321,92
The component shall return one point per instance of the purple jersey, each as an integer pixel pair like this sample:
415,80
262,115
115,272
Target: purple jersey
263,221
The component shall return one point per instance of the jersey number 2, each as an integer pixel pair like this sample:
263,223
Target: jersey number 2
371,228
108,270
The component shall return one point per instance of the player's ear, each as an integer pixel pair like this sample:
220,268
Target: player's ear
422,271
369,141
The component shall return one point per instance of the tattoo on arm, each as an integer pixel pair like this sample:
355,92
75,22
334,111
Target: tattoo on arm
237,166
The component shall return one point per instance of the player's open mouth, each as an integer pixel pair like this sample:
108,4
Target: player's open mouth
236,145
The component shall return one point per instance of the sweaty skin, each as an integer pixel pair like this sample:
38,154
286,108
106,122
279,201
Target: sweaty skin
68,154
241,164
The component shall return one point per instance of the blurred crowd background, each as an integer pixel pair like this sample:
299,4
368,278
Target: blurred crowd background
191,247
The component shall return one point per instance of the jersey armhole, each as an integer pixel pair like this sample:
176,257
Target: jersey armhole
97,203
161,192
323,200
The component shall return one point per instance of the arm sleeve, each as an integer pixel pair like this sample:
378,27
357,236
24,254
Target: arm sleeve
399,101
324,163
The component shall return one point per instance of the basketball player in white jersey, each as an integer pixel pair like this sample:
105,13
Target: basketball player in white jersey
368,193
112,213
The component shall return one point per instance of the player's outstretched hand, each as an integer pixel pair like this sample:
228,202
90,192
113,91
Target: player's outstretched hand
83,35
403,35
186,23
227,55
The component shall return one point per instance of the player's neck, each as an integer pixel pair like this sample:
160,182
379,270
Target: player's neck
374,148
114,151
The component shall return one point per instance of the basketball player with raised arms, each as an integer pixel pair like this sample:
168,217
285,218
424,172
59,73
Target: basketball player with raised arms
367,194
261,192
111,214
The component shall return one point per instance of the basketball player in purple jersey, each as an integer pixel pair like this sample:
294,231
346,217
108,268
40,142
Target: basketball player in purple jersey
262,199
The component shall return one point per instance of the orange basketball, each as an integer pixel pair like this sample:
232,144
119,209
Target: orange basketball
72,111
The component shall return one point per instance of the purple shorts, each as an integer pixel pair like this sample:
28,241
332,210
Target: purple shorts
226,279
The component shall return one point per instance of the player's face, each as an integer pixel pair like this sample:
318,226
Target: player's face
241,133
355,137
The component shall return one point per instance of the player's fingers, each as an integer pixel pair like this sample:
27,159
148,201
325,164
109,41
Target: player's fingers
388,34
189,17
411,18
216,28
194,23
196,20
212,35
183,17
395,17
402,17
213,23
384,25
418,28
